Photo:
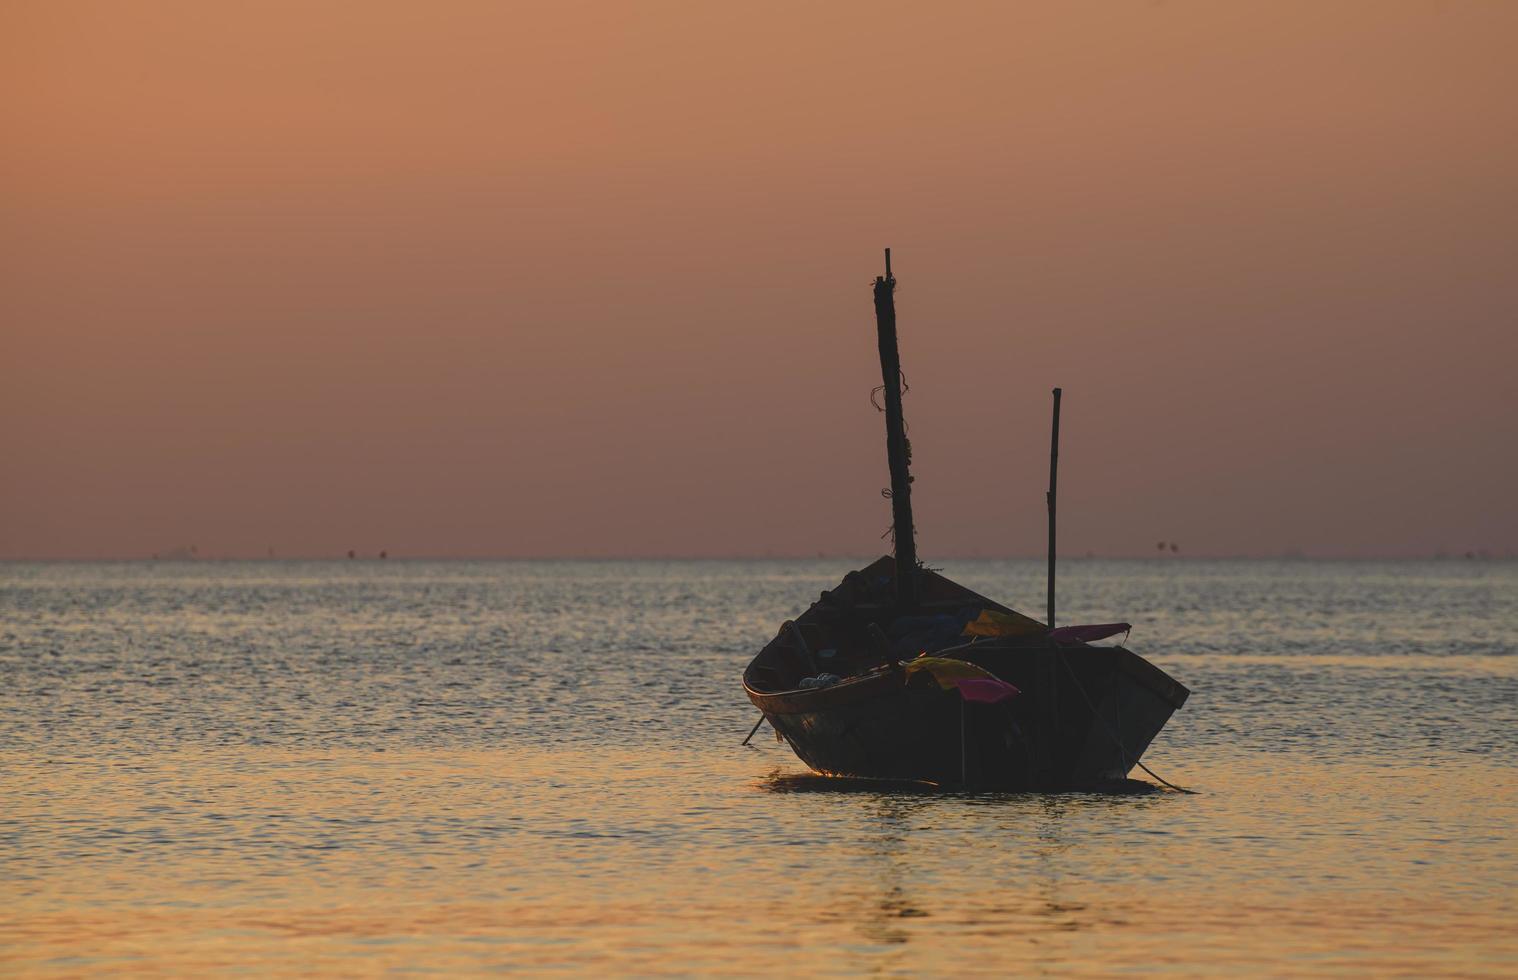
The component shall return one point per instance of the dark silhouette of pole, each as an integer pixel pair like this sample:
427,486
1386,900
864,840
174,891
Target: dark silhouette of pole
897,452
751,731
1053,484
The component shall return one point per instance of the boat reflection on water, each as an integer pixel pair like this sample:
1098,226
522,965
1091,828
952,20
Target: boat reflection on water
914,831
816,782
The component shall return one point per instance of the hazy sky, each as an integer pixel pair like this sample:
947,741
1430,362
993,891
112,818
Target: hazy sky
560,278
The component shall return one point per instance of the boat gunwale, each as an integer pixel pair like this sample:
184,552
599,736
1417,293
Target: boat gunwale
846,691
853,689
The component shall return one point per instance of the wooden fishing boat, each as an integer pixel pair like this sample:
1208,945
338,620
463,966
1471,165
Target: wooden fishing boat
900,673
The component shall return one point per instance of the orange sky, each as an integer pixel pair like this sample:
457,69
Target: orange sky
569,278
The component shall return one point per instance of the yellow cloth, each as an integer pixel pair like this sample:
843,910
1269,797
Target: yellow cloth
947,672
993,623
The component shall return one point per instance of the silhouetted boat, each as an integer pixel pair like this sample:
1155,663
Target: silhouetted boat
901,674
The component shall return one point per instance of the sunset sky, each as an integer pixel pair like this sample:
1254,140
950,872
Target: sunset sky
593,279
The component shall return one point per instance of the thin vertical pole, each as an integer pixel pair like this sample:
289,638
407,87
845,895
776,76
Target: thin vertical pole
897,452
1053,484
751,731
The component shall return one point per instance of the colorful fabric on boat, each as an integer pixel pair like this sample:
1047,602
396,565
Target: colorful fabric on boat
987,690
947,672
990,622
1088,634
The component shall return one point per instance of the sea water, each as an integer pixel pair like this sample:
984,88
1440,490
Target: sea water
354,767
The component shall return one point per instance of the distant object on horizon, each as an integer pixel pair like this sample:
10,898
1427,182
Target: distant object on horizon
182,553
1175,549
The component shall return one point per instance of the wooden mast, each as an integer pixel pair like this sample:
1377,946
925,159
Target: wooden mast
898,453
1053,483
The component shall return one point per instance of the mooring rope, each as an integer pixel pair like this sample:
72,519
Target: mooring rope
1117,738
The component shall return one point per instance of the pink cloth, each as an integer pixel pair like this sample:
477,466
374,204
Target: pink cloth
1088,634
986,689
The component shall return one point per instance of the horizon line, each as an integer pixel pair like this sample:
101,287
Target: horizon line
1292,555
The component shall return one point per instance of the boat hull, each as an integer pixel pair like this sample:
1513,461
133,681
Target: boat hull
1083,715
885,728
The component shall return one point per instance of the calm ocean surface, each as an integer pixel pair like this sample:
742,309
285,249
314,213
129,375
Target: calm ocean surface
340,768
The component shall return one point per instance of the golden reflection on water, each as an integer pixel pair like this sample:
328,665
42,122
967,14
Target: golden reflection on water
352,768
642,861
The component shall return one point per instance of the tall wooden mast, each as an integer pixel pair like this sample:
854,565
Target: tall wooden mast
898,453
1053,487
